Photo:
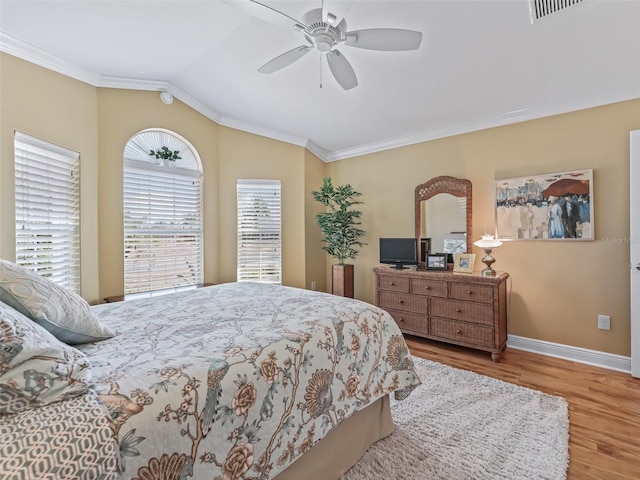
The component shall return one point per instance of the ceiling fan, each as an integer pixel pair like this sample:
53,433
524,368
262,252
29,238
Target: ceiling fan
324,31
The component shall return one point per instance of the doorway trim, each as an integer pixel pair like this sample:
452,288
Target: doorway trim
634,249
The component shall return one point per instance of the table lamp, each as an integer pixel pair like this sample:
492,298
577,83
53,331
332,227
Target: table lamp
488,243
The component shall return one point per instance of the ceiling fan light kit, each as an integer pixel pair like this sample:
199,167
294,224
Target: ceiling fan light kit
322,31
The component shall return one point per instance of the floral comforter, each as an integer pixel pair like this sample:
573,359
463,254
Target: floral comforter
236,381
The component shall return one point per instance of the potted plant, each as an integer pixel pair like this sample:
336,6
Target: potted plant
165,155
341,231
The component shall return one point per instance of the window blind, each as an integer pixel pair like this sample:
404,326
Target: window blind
162,227
259,231
47,196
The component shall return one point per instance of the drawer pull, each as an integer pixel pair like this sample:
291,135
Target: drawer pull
458,310
401,319
400,301
427,288
393,284
469,292
458,331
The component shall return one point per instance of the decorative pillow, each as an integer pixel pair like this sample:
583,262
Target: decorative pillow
62,312
35,367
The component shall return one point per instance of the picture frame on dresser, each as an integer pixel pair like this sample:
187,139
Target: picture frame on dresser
436,261
463,262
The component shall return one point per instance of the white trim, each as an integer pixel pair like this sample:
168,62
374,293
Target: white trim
25,51
596,358
621,93
263,131
634,249
20,49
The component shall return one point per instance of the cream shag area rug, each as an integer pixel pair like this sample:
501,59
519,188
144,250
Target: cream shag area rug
460,425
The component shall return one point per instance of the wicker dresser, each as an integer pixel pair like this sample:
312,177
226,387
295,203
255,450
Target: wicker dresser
465,309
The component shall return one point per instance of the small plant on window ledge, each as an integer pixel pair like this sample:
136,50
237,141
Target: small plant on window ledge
165,154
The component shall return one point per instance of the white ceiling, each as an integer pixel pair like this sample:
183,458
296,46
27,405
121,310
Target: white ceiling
482,63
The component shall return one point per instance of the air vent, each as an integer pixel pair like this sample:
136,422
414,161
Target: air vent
544,8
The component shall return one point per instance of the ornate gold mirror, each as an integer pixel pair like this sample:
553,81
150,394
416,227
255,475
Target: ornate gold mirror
443,216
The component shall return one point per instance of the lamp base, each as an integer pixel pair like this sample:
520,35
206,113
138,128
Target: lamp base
488,260
488,272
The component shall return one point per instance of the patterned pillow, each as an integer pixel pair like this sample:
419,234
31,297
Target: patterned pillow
36,368
65,314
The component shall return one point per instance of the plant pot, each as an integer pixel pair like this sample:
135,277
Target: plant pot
342,280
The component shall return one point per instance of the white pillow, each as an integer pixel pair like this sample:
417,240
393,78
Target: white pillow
59,310
36,368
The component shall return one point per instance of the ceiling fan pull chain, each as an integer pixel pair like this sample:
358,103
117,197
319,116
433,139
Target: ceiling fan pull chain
320,71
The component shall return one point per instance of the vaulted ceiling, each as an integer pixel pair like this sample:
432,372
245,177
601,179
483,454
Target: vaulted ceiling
481,63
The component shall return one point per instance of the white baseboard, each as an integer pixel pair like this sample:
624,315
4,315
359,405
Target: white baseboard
610,361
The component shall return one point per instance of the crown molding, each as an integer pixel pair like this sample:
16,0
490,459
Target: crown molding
263,131
317,150
159,86
18,48
630,91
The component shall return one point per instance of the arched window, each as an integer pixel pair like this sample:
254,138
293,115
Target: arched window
162,212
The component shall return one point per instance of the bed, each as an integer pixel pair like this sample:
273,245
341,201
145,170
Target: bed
233,381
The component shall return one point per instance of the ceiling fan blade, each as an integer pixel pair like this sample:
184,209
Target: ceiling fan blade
342,70
285,59
264,12
385,39
337,8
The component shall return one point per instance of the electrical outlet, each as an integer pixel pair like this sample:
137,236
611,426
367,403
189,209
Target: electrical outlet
314,285
604,322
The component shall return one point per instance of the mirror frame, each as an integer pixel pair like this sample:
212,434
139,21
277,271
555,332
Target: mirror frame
458,187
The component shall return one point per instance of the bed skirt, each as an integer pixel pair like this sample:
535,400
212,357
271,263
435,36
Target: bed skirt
341,448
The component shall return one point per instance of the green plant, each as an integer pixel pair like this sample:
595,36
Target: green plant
340,225
165,154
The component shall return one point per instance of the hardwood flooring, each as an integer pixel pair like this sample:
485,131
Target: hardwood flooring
604,405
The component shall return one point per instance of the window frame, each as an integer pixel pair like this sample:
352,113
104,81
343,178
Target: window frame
169,201
47,192
258,256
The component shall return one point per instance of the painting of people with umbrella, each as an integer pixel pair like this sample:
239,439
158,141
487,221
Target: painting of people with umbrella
557,206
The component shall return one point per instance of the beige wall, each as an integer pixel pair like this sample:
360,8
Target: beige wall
246,156
316,259
122,114
63,111
558,288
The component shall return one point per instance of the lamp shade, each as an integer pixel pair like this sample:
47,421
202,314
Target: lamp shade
487,241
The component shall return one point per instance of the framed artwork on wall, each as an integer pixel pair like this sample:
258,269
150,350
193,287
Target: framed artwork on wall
436,261
463,262
556,206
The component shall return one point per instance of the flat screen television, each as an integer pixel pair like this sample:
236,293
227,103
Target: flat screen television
399,252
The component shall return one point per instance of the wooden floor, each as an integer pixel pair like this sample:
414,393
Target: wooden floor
604,405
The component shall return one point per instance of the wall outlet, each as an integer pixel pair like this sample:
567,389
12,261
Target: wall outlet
314,285
604,322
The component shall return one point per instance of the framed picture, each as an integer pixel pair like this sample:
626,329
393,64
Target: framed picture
556,206
463,262
455,243
436,261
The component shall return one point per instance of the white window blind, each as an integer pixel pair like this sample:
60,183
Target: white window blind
259,231
47,195
162,222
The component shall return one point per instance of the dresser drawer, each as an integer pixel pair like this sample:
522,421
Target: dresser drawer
432,288
395,283
403,301
462,332
473,293
457,310
412,322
